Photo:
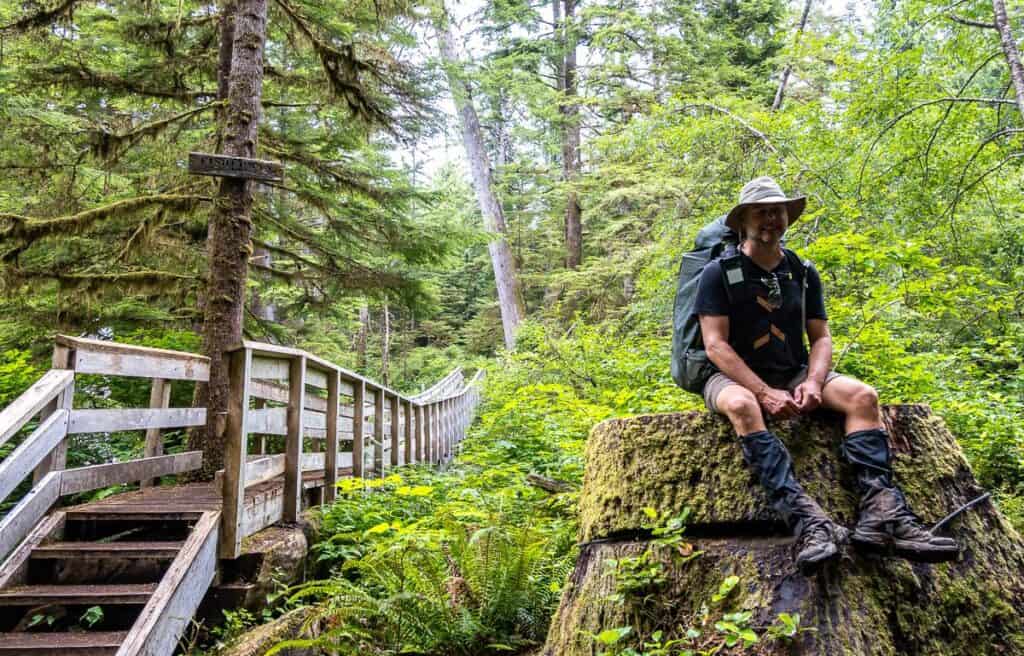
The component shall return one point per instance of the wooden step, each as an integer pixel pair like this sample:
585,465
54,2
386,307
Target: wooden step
140,514
79,595
100,643
101,550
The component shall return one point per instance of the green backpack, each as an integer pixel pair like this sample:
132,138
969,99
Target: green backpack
691,367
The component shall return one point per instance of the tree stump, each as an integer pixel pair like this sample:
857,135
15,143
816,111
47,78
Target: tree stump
866,605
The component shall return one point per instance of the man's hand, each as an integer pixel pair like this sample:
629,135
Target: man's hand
807,395
778,402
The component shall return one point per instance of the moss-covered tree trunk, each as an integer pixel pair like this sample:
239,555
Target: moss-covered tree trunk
230,232
867,605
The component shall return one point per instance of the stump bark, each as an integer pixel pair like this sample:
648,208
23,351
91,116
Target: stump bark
868,605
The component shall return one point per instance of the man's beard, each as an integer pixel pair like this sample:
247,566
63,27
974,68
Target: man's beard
767,237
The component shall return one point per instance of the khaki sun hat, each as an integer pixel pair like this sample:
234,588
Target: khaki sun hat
762,191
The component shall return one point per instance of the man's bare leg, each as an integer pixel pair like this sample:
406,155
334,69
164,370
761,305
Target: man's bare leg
855,399
740,406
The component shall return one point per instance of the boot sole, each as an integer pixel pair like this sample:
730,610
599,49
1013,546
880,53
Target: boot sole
893,547
811,567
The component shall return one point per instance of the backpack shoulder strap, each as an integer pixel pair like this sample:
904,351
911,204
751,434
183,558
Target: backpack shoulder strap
732,269
800,267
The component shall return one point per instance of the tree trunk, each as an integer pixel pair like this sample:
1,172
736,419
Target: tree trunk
364,330
1010,51
781,91
506,279
265,311
867,606
385,345
570,139
231,227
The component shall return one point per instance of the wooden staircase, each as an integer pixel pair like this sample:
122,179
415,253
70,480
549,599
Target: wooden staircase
106,583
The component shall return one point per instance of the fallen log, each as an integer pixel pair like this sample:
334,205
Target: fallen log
552,485
866,605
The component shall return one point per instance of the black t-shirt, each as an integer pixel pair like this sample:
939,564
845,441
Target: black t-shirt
766,335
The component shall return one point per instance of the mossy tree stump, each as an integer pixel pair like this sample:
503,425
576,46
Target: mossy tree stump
868,605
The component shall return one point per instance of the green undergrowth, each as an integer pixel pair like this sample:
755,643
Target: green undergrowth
471,559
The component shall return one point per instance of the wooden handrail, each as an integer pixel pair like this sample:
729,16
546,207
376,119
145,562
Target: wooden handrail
385,427
14,417
51,399
390,427
94,356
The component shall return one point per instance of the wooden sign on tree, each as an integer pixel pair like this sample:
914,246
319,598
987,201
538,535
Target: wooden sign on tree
224,166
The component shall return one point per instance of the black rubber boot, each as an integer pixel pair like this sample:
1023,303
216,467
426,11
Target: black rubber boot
818,537
886,523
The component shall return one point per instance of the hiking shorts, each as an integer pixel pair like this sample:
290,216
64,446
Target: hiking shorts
720,381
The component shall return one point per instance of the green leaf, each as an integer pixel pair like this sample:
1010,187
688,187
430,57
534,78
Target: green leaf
612,636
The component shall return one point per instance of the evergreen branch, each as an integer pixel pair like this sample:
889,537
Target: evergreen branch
141,276
354,274
28,229
144,282
281,250
108,145
290,276
342,67
41,18
323,168
83,75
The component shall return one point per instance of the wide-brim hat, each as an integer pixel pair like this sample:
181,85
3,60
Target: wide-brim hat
763,191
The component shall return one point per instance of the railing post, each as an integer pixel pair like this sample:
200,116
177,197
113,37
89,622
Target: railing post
442,431
449,407
358,424
420,455
395,430
428,429
293,440
410,456
438,432
378,432
331,459
63,358
159,397
235,445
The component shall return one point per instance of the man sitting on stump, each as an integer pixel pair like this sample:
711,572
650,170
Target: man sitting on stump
754,304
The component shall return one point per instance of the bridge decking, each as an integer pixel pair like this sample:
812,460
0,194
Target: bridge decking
191,498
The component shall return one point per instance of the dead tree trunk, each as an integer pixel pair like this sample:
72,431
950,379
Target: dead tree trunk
506,279
1010,51
870,606
230,232
781,91
364,331
385,345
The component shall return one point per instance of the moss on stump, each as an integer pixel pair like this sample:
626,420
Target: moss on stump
871,606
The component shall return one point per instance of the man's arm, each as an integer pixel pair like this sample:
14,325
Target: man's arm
808,393
715,333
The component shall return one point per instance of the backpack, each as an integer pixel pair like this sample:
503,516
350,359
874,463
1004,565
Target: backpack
691,367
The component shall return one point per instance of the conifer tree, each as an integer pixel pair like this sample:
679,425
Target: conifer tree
103,227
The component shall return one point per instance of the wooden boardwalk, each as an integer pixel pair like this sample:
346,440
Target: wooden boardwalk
141,562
